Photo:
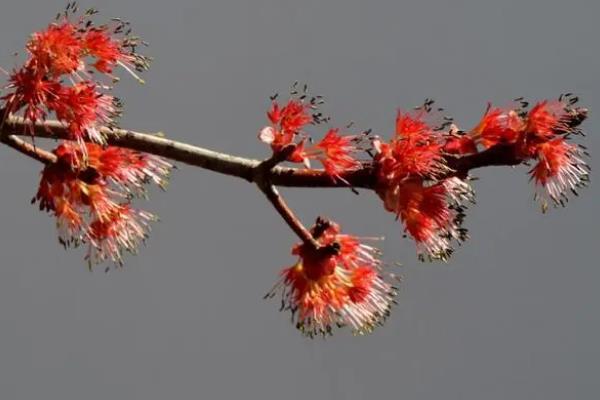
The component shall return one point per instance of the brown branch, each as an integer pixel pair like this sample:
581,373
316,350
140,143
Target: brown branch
262,178
265,174
28,149
244,167
288,215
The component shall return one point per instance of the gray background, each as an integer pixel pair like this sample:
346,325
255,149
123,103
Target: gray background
514,315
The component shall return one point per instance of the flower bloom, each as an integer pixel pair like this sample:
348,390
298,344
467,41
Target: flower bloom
109,51
334,151
547,118
90,197
541,134
432,213
57,50
560,170
460,145
56,77
338,284
415,150
411,181
123,229
84,109
498,126
286,122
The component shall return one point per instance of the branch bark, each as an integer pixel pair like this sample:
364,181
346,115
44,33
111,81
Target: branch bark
241,167
262,178
265,174
28,149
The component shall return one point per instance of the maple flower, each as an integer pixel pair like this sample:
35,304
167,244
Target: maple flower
124,229
129,169
413,124
334,151
547,118
432,213
57,50
84,109
98,43
460,145
338,284
413,184
90,197
560,170
109,51
415,151
286,122
56,76
31,92
498,126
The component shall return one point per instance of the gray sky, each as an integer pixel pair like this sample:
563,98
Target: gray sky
514,315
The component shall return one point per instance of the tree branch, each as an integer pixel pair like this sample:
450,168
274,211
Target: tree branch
245,167
262,178
28,149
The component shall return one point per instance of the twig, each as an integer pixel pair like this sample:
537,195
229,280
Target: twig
28,149
262,178
245,167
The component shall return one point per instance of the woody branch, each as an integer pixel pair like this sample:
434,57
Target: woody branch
91,178
241,167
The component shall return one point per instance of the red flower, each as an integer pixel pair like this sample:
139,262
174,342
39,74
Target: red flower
294,116
286,123
31,92
129,169
84,109
338,284
432,214
333,151
460,145
89,209
546,119
541,134
53,78
560,170
411,181
57,50
415,150
498,126
124,229
413,125
99,44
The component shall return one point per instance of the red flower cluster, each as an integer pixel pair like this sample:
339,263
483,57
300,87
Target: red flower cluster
56,78
286,123
338,284
91,197
334,151
541,134
413,182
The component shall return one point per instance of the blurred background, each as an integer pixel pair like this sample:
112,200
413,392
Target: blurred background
513,315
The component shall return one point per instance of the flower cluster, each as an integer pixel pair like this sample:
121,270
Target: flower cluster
415,183
286,131
57,75
542,134
91,197
339,284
